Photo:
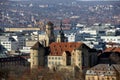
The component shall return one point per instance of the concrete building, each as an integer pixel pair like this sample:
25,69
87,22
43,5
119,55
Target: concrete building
89,31
13,62
21,29
8,43
114,39
103,72
21,39
111,32
71,37
112,44
30,43
25,50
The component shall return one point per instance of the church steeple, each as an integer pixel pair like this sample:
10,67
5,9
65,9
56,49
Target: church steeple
49,33
61,37
49,29
61,31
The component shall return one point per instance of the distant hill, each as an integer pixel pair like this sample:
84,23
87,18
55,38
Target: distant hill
3,0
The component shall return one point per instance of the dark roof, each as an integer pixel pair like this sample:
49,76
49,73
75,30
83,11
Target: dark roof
12,59
68,53
112,49
37,46
109,51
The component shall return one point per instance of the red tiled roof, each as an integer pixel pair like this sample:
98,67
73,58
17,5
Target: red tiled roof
112,49
58,48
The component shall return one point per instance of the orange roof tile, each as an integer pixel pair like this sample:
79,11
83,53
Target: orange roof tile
112,49
58,48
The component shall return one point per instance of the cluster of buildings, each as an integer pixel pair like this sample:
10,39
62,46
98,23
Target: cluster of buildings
81,48
103,72
29,13
74,45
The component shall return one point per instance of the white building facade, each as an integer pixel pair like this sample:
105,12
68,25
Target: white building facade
115,39
8,43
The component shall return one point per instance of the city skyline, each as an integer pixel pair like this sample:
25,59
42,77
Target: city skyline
59,39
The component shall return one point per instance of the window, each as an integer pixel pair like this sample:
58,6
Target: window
58,58
113,79
52,57
33,62
88,78
55,57
49,57
92,78
103,79
52,62
58,63
118,39
79,59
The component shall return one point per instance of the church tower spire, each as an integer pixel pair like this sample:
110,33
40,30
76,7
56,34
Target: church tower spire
61,37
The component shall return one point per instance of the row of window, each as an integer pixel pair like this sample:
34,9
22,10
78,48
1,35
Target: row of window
65,46
103,78
7,46
10,59
112,39
55,58
11,63
6,43
59,58
54,63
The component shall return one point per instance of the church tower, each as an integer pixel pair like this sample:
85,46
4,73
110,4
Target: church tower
60,36
49,33
37,54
